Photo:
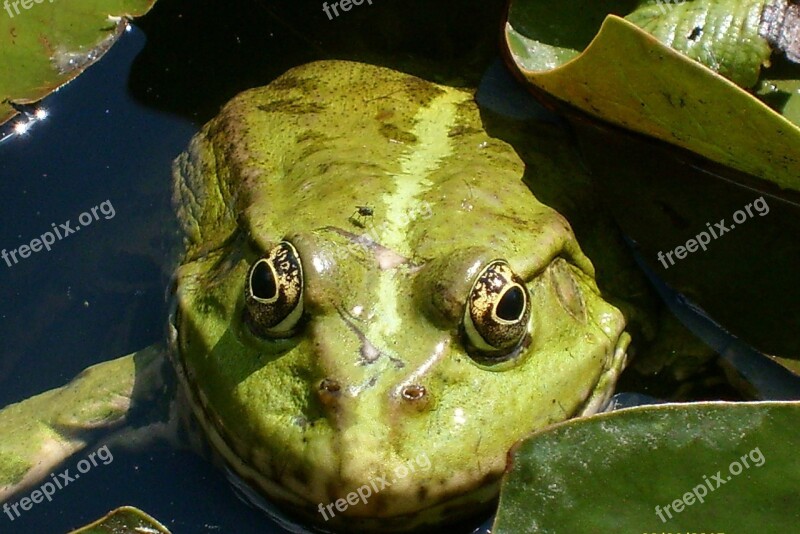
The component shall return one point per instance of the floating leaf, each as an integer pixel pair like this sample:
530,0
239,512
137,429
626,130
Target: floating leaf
124,520
627,77
722,35
44,44
704,467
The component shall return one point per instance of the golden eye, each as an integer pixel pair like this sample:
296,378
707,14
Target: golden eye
274,293
498,311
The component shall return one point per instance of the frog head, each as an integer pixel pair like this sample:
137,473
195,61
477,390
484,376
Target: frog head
373,307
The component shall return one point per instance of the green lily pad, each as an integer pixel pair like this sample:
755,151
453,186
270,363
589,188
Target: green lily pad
124,520
722,35
626,76
704,467
44,44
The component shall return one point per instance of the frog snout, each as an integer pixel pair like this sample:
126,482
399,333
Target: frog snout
329,391
413,397
413,393
407,395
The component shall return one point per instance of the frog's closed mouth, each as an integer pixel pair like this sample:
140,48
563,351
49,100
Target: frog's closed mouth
455,317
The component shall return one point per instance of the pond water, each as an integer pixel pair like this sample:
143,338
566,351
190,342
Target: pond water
107,143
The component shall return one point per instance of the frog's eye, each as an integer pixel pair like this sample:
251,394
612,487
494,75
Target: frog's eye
498,311
274,293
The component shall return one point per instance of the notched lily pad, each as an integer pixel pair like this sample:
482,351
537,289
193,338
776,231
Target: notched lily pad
626,76
44,44
710,467
124,520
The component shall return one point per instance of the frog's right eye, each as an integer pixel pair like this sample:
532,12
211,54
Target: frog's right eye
274,293
497,314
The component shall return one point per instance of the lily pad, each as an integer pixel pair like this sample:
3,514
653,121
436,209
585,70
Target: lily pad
124,520
722,35
704,467
626,76
44,44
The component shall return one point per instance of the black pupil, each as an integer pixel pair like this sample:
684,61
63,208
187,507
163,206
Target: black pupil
262,283
511,306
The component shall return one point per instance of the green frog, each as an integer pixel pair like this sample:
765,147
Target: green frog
372,307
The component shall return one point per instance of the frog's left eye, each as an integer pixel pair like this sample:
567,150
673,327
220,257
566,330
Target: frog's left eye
274,293
498,310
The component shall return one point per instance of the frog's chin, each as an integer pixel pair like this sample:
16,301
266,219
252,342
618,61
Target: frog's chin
295,512
467,510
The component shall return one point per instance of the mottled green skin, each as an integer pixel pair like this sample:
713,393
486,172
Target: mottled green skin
292,161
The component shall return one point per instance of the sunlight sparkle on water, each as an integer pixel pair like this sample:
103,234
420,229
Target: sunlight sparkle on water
21,128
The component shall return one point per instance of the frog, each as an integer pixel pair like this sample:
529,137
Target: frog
362,375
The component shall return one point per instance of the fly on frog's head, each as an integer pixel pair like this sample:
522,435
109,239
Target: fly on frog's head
360,216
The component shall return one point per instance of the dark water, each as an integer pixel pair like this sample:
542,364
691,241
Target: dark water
99,292
110,137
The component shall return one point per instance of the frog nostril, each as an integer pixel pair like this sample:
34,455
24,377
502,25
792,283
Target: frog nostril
414,398
413,392
329,391
330,385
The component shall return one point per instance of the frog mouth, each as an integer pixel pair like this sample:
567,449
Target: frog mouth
604,388
467,510
292,509
213,429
